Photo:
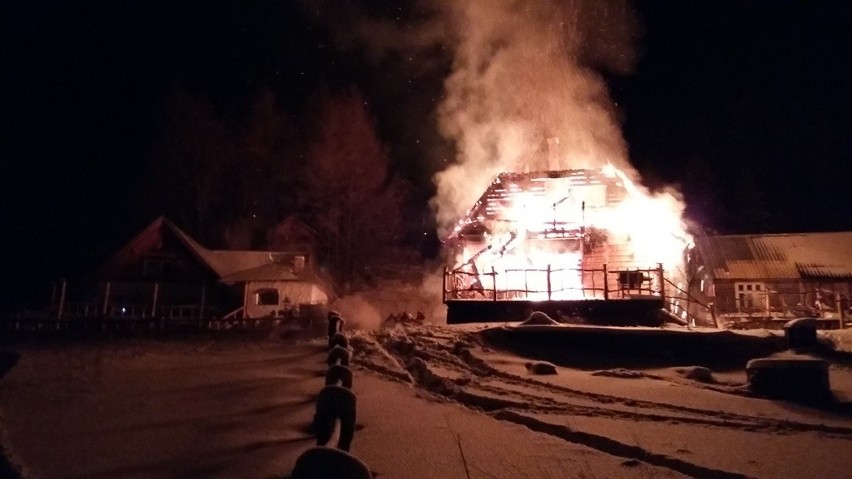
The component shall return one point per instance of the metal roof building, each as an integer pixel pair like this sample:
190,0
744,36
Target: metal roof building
778,256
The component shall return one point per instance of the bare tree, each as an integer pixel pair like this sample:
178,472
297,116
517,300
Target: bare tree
267,176
195,166
354,201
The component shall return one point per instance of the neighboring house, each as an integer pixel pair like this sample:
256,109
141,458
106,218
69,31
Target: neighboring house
163,272
779,276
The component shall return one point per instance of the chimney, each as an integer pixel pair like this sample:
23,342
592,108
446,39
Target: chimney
553,162
298,263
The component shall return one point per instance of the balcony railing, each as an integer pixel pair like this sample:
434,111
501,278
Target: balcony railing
553,284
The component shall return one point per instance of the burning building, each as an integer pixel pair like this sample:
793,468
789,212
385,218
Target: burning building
575,242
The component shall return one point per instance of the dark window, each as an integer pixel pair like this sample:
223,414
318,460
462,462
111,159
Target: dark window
631,279
267,296
153,268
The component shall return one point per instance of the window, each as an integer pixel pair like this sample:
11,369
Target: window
750,295
267,297
631,279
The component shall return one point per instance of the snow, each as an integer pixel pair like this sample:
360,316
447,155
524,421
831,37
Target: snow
840,339
433,401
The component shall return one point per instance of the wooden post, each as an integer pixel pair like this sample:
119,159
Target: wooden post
662,280
606,283
494,282
61,299
712,307
444,286
548,283
203,301
154,299
106,297
245,300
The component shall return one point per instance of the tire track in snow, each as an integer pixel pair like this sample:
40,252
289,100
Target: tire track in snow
615,448
404,346
504,411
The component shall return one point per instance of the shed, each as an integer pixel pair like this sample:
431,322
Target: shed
773,276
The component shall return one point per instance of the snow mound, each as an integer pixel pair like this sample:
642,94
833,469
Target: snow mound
425,377
369,354
697,373
622,373
791,377
538,318
840,339
541,367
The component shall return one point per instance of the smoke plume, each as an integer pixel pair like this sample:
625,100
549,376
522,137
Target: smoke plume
525,72
522,74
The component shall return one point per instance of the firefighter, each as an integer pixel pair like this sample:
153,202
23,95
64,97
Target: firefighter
335,325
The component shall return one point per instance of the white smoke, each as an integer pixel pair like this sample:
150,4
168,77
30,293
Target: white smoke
524,72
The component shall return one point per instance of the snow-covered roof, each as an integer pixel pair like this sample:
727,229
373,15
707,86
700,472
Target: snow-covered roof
778,256
229,266
264,272
227,263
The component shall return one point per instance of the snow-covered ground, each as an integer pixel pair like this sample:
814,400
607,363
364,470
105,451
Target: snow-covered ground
435,401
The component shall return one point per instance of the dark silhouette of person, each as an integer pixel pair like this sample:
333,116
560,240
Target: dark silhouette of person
335,403
335,325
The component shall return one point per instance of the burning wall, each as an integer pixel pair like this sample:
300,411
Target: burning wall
554,234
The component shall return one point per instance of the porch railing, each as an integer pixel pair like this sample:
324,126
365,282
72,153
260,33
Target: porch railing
553,284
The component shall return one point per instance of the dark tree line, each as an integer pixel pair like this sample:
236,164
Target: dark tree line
229,182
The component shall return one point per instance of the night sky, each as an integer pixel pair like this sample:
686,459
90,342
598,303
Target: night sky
745,104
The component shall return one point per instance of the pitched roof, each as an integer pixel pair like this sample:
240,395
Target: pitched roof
229,266
778,256
150,238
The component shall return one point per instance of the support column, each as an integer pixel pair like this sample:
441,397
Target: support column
548,283
203,301
245,300
106,298
61,306
444,286
494,282
154,299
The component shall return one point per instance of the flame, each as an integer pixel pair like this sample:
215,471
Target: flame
651,223
517,255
